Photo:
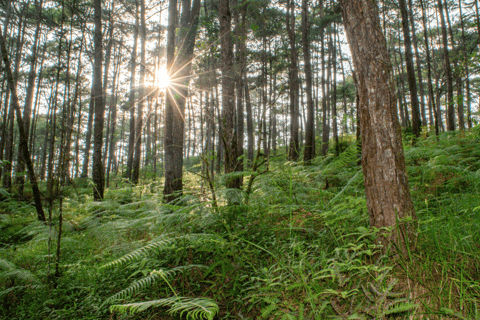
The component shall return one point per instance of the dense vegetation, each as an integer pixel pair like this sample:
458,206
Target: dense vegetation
233,159
300,249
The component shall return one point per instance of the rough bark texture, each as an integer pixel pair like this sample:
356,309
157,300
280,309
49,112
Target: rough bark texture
383,163
97,168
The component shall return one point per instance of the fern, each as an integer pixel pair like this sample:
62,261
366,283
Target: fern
400,306
147,281
193,308
12,271
202,240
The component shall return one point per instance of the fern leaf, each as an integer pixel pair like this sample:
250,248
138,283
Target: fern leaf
400,308
147,281
195,308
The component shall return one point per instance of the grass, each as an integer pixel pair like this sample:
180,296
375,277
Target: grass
301,248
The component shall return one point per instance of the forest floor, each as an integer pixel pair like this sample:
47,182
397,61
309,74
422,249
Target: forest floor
301,248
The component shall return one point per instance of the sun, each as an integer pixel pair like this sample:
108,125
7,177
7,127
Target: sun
161,77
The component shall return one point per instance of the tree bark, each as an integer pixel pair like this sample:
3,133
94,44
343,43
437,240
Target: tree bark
448,71
131,98
228,93
294,148
412,82
383,163
431,97
27,111
142,95
24,141
98,171
309,150
179,70
418,64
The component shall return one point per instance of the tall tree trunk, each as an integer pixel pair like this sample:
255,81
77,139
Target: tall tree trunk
334,96
383,163
113,115
142,95
24,141
98,167
418,65
9,152
448,71
131,98
27,111
465,67
431,97
325,131
294,149
326,102
240,16
179,70
309,150
457,74
228,93
250,136
412,82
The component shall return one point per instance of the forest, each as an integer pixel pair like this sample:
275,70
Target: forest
239,159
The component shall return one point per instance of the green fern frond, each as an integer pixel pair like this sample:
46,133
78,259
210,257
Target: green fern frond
400,307
265,312
139,253
12,271
193,240
450,312
194,308
147,281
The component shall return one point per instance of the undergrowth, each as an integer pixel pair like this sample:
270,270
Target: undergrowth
301,249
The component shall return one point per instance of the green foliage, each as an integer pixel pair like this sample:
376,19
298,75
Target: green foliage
301,249
198,308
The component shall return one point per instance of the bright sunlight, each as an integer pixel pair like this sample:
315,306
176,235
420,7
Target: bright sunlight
161,78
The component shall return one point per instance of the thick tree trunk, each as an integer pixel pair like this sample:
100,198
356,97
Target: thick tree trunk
383,163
